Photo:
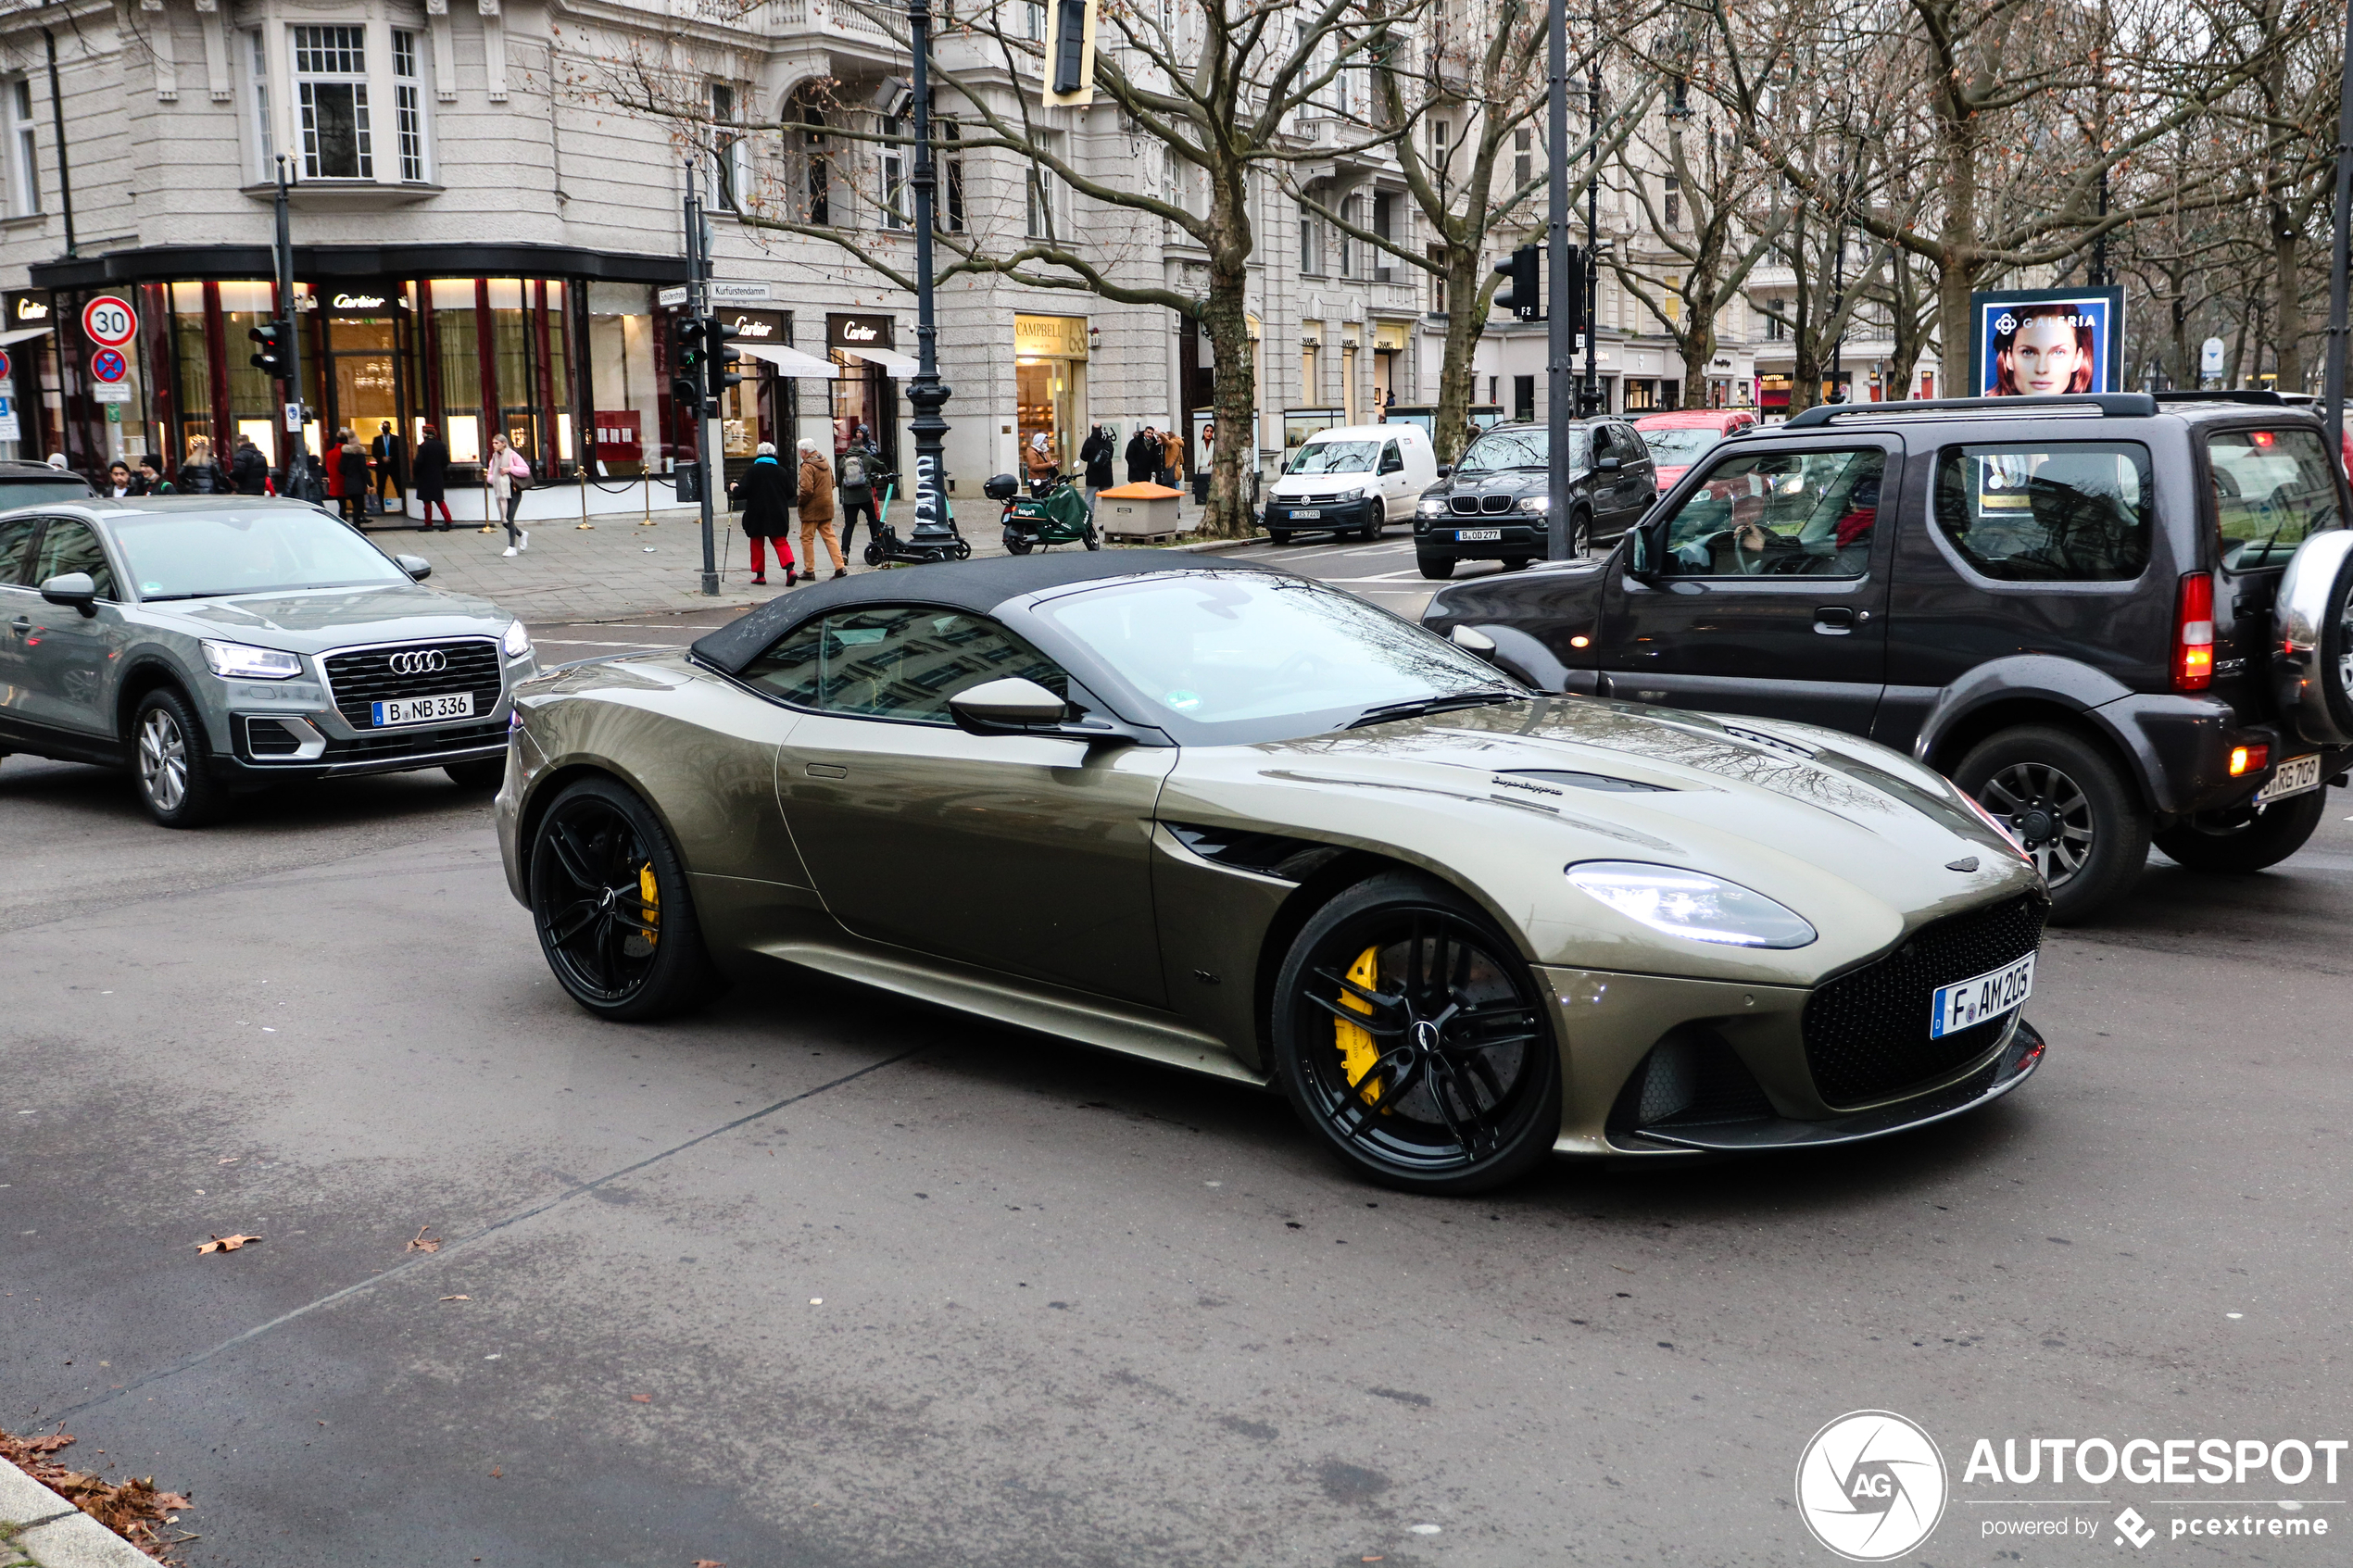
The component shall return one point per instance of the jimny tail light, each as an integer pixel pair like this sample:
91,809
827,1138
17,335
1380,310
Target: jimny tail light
2194,634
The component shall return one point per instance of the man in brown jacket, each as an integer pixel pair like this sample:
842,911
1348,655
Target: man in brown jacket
817,507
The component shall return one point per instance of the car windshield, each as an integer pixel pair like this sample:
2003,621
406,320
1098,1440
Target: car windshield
39,492
1335,457
1248,656
200,555
1679,447
1518,449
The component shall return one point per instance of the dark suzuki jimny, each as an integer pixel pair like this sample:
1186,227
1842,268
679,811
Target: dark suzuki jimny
2110,619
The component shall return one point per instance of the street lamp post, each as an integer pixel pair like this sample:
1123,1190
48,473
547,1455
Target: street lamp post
297,460
706,415
1560,343
2341,244
933,534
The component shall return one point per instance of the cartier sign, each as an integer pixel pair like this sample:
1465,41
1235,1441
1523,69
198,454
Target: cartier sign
24,307
861,332
358,302
744,326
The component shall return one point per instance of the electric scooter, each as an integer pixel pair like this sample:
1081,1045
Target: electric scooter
884,543
1053,513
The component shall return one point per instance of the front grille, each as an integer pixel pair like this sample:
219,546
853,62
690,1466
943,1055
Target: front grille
365,676
1867,1032
422,740
1474,506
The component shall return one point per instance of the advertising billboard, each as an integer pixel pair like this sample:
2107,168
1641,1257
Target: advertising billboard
2040,343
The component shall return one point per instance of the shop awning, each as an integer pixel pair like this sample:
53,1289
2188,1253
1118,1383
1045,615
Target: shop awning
791,361
892,363
21,334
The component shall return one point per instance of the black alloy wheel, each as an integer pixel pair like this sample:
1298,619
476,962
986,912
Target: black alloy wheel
171,761
2064,801
1371,531
610,901
2251,838
1410,1035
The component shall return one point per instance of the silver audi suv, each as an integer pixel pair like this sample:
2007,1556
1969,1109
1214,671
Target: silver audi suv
216,644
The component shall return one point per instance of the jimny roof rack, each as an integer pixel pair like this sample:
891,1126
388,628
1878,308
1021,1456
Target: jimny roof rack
2126,405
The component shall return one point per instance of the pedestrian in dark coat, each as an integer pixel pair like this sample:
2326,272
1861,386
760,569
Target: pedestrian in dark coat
390,451
249,468
200,475
429,476
854,473
1096,452
1143,456
766,492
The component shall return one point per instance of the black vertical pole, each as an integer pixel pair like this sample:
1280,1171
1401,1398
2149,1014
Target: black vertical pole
1592,402
57,116
697,306
933,534
1560,343
296,465
2333,394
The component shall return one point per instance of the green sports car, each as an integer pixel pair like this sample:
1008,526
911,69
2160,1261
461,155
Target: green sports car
1231,818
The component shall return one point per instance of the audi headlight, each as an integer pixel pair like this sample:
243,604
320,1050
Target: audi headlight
1536,503
250,663
517,641
1683,903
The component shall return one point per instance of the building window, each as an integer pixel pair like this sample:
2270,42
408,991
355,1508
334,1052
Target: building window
24,173
730,152
1033,21
408,104
820,165
1310,241
896,207
331,84
1776,328
265,140
1385,215
953,178
1438,284
1346,240
1523,156
1046,213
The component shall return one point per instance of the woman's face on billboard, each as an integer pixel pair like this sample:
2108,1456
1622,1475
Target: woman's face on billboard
2043,356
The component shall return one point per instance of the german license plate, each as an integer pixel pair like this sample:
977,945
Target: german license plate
423,710
1300,513
1472,536
1955,1008
2294,776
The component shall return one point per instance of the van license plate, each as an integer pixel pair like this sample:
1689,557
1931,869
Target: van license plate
2296,775
425,709
1297,513
1472,536
1955,1008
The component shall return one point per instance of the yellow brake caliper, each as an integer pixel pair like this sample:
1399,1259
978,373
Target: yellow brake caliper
1358,1055
650,894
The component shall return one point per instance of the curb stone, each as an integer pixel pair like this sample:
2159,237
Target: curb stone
52,1533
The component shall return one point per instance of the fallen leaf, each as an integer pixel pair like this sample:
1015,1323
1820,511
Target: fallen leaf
641,1398
225,1243
707,1562
494,1472
457,1299
229,1160
418,1244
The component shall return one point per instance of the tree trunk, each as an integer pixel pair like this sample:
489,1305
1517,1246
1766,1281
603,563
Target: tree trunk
1235,405
1465,322
2287,287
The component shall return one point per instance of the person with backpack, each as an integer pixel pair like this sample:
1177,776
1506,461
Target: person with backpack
249,468
854,488
509,477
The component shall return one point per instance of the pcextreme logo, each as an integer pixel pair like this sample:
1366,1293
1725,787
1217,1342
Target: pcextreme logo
1871,1486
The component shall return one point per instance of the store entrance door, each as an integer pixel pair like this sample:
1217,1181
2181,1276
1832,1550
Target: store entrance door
365,393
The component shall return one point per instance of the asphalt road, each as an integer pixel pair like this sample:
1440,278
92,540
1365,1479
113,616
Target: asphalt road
820,1278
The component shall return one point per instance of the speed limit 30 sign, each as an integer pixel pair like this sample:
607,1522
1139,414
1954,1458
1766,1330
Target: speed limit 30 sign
109,323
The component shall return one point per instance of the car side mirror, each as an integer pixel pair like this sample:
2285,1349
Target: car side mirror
1648,548
1610,465
74,588
1470,641
417,567
1004,708
1446,470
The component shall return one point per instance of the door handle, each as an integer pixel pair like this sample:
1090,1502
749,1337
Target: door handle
826,770
21,625
1834,621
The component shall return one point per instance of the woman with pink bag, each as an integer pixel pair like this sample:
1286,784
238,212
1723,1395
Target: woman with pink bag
509,477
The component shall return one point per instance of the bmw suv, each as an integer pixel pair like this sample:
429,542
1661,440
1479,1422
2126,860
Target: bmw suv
1493,504
2113,619
215,644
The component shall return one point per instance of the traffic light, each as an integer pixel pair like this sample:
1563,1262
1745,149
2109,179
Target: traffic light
276,358
1524,299
686,386
719,372
685,391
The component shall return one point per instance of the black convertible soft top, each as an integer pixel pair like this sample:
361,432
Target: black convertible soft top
976,585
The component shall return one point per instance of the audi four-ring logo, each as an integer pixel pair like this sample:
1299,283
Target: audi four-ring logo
426,661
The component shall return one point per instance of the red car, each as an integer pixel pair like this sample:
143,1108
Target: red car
1676,440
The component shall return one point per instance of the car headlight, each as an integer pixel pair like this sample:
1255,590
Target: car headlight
248,663
1690,904
517,641
1536,503
1432,505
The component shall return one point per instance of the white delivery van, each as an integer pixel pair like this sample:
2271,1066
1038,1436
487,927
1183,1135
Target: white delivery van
1354,479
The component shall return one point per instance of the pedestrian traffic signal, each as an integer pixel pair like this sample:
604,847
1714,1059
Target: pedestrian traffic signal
276,358
719,372
690,342
686,393
1524,299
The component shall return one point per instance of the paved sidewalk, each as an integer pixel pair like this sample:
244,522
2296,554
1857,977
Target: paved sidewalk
617,567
